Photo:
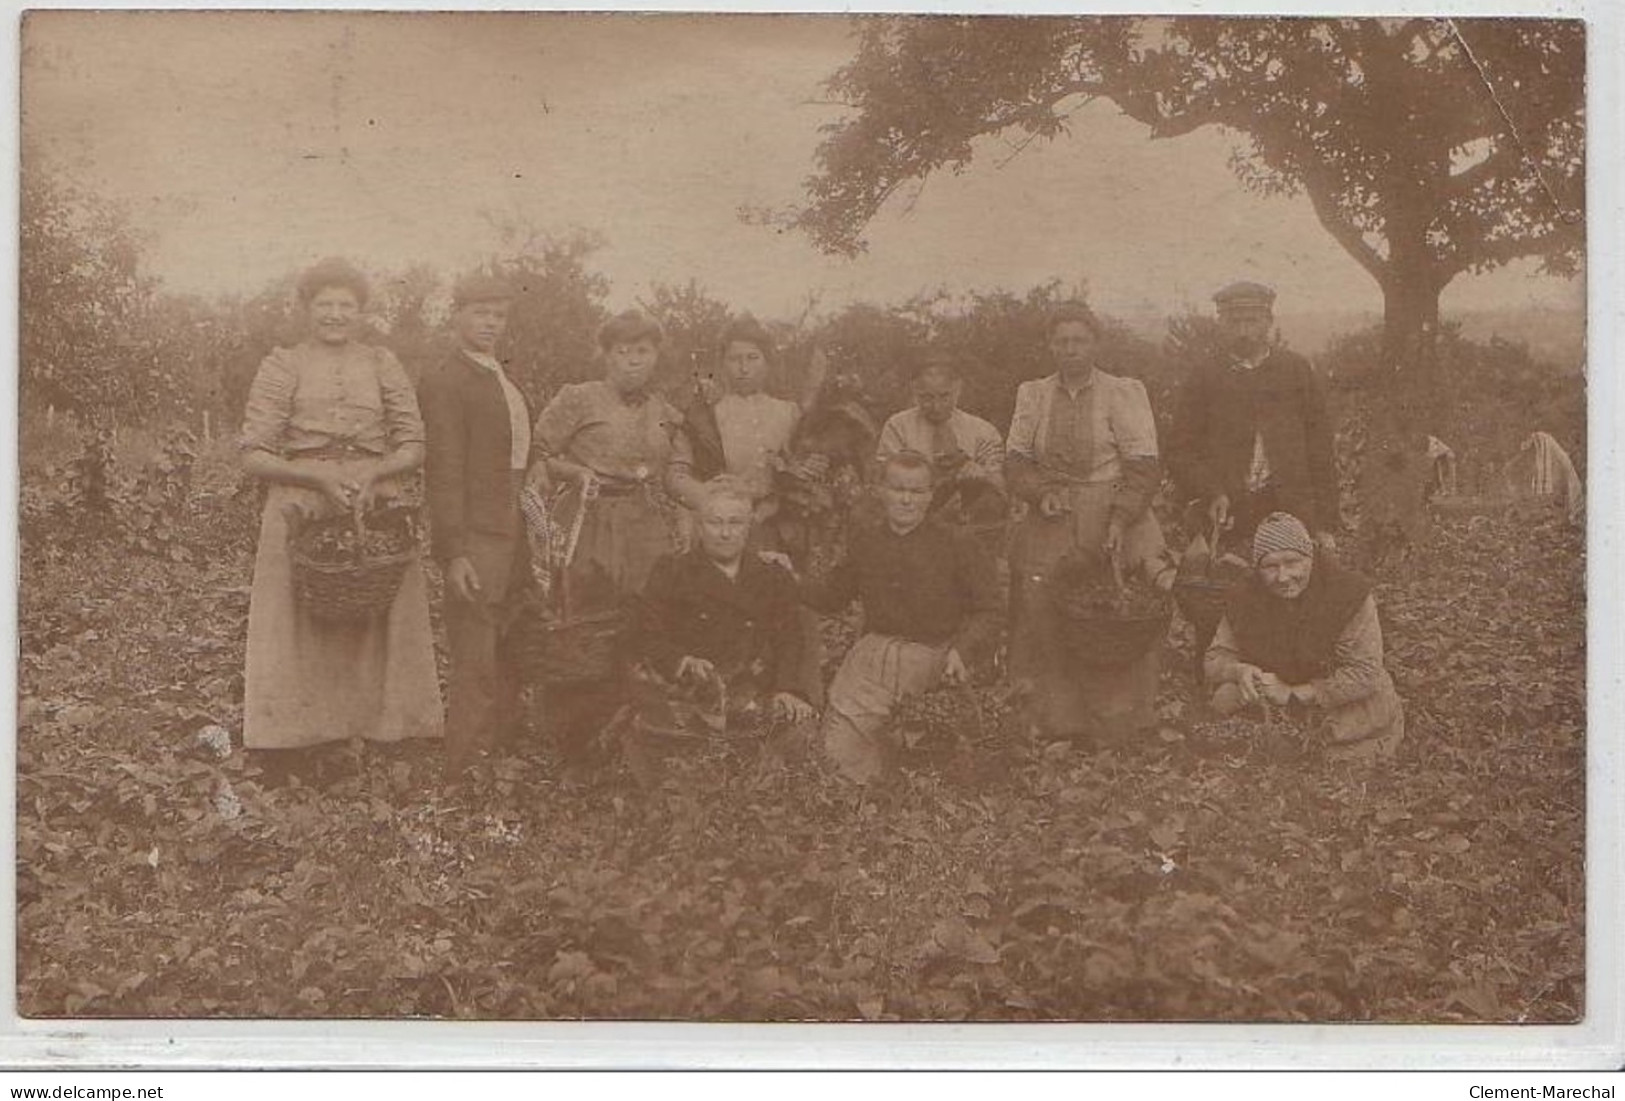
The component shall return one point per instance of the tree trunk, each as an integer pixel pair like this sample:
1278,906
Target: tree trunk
1404,408
1410,327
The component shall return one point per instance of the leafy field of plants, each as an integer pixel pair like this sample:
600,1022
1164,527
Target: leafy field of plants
1219,871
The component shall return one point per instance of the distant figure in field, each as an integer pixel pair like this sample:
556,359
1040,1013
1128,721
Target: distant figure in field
1304,631
1442,456
1544,469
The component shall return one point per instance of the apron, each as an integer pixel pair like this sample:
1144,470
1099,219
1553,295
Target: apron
308,682
1069,700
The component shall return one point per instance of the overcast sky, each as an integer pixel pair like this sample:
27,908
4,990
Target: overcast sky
247,144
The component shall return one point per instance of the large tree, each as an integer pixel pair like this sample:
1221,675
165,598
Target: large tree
1428,147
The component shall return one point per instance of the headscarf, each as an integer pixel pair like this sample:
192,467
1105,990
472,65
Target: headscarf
1281,531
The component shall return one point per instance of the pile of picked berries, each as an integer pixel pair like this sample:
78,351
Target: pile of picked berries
337,543
1095,595
947,715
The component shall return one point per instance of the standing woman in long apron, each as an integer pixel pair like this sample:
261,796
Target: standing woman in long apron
1082,454
331,422
612,440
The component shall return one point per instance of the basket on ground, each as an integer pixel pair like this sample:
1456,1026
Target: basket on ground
1107,641
567,651
1205,580
1105,623
1202,600
348,568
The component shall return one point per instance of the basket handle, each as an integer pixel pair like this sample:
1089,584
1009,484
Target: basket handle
355,519
564,594
587,493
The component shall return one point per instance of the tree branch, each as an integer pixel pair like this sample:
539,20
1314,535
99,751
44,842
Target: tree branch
1343,231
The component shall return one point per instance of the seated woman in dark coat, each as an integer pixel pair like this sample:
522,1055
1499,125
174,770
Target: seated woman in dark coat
717,610
1305,631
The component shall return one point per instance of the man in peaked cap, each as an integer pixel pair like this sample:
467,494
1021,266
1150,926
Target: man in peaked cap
479,452
1251,432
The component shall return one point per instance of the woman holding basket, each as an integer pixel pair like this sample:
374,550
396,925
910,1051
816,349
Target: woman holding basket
1082,454
332,425
611,442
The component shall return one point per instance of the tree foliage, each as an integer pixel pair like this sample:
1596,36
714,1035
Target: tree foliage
692,320
83,305
552,335
1428,147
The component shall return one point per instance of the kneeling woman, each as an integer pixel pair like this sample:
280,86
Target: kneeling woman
1305,631
930,613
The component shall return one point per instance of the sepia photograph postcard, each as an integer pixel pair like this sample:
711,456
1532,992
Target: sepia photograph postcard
809,518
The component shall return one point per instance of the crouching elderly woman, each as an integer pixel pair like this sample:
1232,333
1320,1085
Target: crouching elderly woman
717,612
1304,631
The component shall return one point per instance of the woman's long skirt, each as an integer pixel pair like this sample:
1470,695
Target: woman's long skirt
1070,700
621,539
309,682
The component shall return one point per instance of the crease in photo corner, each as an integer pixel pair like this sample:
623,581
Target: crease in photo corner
400,1043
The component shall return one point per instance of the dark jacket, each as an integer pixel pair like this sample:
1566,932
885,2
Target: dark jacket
745,626
1297,639
1210,449
935,585
468,478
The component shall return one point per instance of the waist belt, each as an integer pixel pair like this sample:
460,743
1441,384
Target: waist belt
334,451
618,489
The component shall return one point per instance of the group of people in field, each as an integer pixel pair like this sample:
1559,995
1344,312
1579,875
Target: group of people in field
675,524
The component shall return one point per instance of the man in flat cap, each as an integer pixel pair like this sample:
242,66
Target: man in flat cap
1251,433
479,450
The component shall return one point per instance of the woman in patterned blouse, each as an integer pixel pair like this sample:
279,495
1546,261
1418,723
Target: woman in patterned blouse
331,422
613,438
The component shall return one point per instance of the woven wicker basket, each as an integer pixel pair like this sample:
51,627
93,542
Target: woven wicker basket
362,587
1202,589
1201,600
569,651
1107,643
1098,638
